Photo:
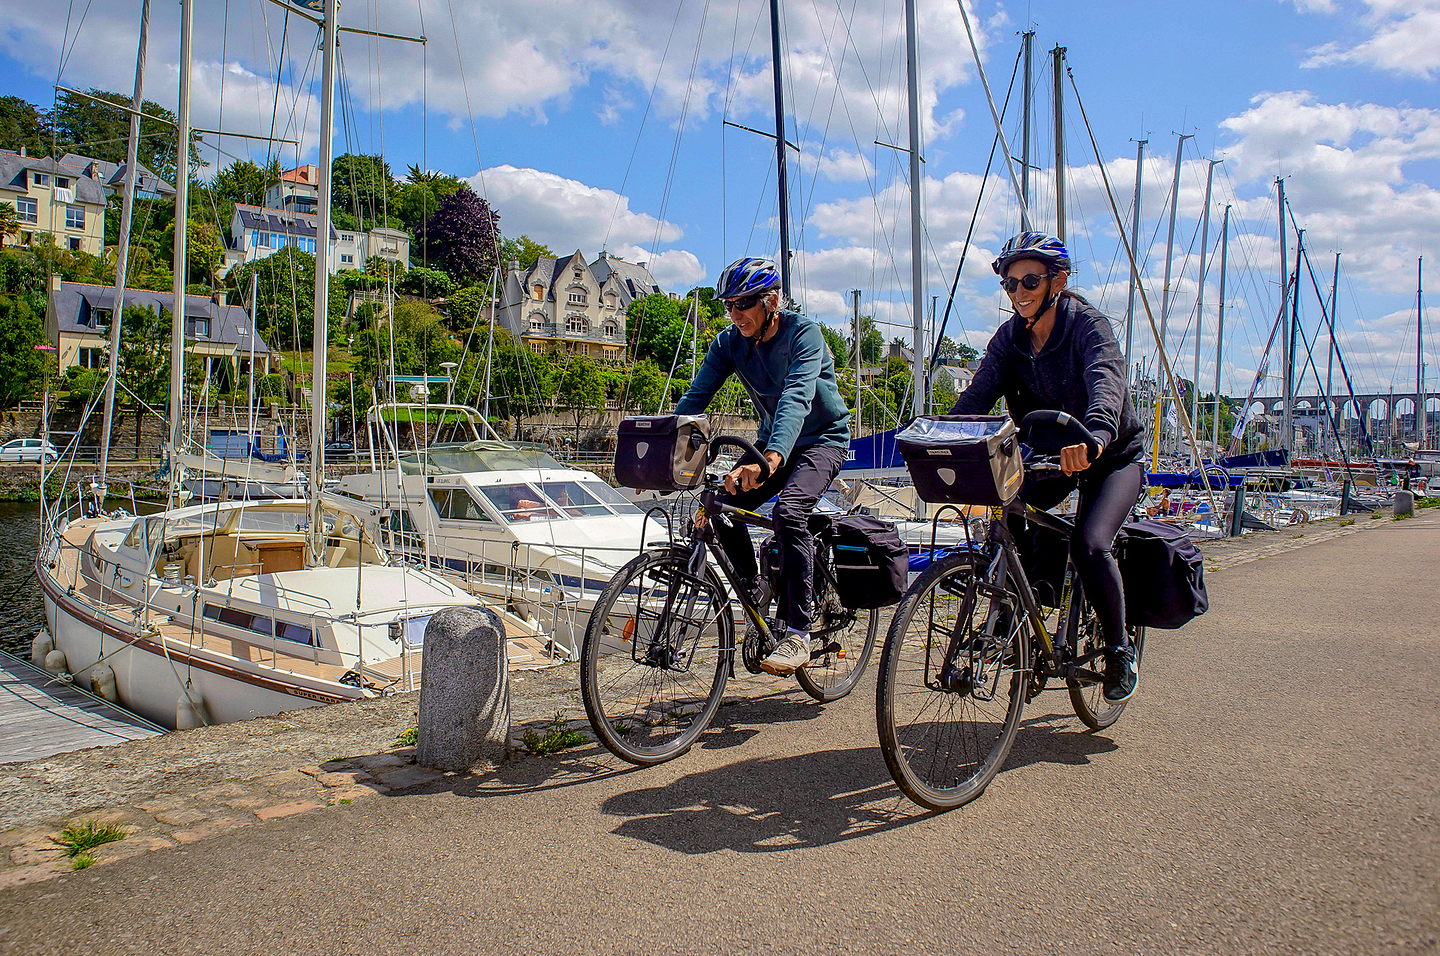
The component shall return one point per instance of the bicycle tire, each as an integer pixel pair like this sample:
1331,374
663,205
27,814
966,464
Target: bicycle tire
642,712
1088,699
944,747
835,673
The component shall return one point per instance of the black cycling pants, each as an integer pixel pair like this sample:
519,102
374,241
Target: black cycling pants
800,482
1107,493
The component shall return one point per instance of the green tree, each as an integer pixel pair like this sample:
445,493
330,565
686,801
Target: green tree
647,381
103,132
23,125
22,328
421,344
360,190
242,182
582,389
285,297
145,359
9,222
416,198
654,326
839,350
872,343
955,353
525,250
426,282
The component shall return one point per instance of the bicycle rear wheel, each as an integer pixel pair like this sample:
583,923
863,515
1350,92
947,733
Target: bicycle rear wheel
1088,698
944,737
655,657
844,641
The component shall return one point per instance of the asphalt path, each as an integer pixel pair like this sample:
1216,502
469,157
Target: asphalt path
1272,788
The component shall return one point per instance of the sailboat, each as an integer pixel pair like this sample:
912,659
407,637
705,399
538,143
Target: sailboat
213,613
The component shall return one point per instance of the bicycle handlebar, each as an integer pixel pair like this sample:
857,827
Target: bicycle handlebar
719,441
1050,430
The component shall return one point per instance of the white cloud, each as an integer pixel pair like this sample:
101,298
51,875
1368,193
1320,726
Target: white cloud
1404,37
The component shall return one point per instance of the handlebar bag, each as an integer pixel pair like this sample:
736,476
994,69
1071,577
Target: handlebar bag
963,459
1164,575
870,562
662,452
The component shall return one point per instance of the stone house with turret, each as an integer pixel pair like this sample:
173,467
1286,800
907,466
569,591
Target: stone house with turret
572,305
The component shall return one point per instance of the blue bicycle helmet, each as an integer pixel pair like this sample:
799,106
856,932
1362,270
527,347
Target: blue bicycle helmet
747,276
1037,246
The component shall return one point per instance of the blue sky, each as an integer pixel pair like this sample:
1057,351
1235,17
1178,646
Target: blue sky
553,118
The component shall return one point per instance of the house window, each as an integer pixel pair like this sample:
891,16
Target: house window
346,237
610,301
42,179
346,259
537,347
202,328
611,327
100,318
61,182
537,322
90,358
74,243
579,274
26,209
576,324
74,217
577,298
539,293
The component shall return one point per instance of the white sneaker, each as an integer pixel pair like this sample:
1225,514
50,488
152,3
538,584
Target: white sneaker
792,654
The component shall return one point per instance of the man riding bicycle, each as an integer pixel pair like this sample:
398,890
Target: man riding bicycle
1059,352
781,358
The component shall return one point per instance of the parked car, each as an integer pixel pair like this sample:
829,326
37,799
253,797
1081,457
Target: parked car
27,449
340,451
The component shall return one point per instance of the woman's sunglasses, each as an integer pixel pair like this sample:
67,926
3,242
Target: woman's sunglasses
1031,282
748,302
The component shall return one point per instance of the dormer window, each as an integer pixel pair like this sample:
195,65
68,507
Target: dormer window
539,293
41,179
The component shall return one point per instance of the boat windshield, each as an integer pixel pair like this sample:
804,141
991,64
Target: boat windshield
451,459
552,500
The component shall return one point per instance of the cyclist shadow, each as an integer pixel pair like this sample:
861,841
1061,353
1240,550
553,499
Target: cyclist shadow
739,719
1055,738
756,806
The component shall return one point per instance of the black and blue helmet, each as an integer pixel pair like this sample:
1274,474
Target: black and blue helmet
747,276
1033,245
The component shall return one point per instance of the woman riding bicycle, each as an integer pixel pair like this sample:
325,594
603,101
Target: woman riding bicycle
1059,352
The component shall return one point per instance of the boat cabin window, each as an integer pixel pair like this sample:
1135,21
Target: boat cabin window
397,530
519,501
260,624
456,504
136,537
573,499
617,502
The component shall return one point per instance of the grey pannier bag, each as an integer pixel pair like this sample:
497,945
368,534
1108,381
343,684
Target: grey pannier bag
662,452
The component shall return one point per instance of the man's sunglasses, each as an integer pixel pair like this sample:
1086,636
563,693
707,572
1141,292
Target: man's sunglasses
747,302
1031,282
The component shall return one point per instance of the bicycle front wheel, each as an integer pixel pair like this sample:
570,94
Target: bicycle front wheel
946,726
655,657
843,642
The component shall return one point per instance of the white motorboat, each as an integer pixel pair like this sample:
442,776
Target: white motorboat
503,519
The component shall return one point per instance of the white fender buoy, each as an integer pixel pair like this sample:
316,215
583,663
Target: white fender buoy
190,714
56,663
102,684
42,645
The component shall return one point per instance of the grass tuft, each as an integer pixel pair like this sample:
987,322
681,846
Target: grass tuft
407,739
558,736
79,839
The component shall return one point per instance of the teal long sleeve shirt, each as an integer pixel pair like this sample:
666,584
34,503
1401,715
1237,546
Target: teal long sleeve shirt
790,379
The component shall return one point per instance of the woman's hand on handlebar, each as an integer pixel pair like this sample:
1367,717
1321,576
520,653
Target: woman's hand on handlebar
747,477
1074,458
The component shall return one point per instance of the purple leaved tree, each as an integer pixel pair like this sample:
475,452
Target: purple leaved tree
462,237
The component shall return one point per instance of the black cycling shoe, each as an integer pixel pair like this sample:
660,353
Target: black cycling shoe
1120,673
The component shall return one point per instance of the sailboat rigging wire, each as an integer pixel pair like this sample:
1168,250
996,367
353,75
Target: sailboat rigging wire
1182,415
990,99
974,217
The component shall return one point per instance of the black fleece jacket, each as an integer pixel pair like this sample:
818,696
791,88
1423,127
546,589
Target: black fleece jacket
1080,370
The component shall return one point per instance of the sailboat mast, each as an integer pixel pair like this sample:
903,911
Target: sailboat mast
122,250
182,214
1134,266
1200,298
1220,327
1420,416
318,399
1170,240
780,147
1285,421
1330,363
917,260
1027,41
1294,326
1058,57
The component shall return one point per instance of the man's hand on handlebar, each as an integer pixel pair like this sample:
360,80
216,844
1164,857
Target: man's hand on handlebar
1074,458
747,477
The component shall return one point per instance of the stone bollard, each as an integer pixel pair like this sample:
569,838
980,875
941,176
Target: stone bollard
1404,504
464,691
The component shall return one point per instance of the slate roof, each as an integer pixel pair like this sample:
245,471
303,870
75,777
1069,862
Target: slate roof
113,174
637,279
76,302
279,220
13,179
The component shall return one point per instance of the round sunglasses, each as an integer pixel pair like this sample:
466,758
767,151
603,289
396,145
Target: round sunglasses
1030,282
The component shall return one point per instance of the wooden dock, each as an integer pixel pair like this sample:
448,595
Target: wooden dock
40,717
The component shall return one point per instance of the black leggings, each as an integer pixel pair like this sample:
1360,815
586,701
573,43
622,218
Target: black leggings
1107,493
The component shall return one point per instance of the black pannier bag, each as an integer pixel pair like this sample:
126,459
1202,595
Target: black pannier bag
1164,575
870,562
963,459
662,452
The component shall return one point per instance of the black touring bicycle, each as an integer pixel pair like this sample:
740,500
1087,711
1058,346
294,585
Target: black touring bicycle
660,643
987,628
